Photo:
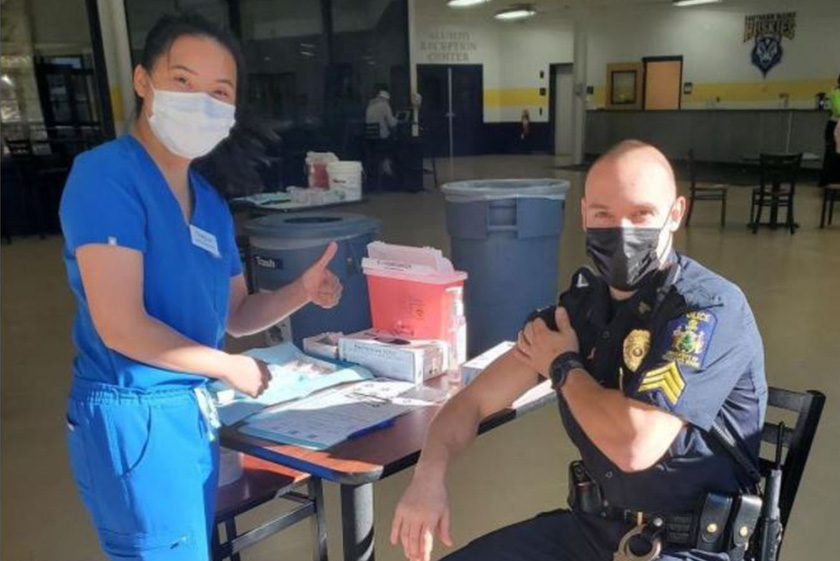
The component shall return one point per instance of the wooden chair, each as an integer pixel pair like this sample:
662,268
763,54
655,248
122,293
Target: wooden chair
716,192
778,174
831,194
262,482
796,443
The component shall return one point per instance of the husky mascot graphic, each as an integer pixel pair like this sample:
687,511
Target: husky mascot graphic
767,53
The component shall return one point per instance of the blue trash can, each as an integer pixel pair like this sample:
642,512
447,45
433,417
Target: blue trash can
506,235
283,246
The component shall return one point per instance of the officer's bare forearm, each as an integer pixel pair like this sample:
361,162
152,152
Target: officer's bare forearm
632,434
257,312
452,431
455,426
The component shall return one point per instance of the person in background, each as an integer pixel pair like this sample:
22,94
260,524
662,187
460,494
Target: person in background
152,260
525,131
379,113
831,159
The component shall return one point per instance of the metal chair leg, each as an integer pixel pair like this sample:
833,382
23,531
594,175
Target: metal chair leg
723,212
319,522
759,206
824,207
690,210
230,531
790,221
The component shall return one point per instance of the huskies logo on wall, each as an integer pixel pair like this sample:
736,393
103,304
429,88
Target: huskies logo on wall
768,31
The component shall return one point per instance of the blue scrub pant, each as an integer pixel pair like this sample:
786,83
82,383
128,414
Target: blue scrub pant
146,466
560,535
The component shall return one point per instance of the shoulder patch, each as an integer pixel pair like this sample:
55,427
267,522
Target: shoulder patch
666,379
581,281
689,337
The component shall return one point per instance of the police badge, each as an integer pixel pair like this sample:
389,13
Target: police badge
636,347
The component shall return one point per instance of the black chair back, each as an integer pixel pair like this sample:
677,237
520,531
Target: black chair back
779,169
803,411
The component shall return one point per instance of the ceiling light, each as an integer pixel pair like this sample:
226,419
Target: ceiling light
465,3
683,3
516,13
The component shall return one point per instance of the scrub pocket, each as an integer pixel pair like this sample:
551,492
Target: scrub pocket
146,470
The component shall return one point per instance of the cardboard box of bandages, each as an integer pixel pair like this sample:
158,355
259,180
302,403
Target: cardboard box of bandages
396,357
474,367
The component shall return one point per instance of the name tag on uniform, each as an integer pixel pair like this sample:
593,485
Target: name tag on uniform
204,240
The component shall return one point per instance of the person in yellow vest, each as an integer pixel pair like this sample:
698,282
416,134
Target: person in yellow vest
831,160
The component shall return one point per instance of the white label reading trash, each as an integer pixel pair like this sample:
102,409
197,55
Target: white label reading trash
205,240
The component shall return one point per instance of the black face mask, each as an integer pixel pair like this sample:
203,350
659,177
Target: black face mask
625,257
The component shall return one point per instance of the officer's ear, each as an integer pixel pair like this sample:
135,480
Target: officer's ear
677,213
583,213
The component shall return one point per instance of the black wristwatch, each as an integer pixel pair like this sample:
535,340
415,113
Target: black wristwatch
562,365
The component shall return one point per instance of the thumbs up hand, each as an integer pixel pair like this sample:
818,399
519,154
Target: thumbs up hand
321,286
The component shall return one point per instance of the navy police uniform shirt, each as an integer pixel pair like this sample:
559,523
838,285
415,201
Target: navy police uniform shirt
116,195
686,342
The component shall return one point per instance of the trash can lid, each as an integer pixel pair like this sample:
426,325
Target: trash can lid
494,189
312,225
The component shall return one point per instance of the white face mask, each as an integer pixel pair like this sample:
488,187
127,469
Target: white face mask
190,124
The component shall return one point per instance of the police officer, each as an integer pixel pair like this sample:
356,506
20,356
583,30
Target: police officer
657,362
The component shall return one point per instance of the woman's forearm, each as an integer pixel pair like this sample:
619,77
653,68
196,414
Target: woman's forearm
261,310
152,342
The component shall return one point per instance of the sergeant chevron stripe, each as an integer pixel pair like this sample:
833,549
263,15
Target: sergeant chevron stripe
667,379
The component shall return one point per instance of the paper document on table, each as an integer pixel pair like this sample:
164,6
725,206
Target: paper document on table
293,375
333,416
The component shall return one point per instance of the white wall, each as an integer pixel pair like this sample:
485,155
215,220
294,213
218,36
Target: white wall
60,27
527,49
512,54
710,38
459,41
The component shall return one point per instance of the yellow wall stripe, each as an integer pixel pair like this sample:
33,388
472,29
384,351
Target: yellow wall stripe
727,92
759,91
514,97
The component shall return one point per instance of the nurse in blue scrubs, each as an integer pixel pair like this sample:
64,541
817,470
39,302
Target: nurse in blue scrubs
151,259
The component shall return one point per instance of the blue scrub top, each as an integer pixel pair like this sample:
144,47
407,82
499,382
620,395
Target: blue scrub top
116,195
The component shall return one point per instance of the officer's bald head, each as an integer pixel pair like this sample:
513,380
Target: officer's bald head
633,184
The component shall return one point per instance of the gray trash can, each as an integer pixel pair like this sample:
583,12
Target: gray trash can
283,246
506,235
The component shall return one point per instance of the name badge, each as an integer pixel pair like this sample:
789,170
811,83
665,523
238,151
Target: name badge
204,240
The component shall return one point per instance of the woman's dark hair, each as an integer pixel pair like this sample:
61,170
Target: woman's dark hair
236,166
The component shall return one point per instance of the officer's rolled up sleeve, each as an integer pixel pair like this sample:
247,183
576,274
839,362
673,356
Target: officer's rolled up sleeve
101,208
696,364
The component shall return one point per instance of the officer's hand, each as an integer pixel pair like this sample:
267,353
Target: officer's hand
422,511
321,286
538,345
251,376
